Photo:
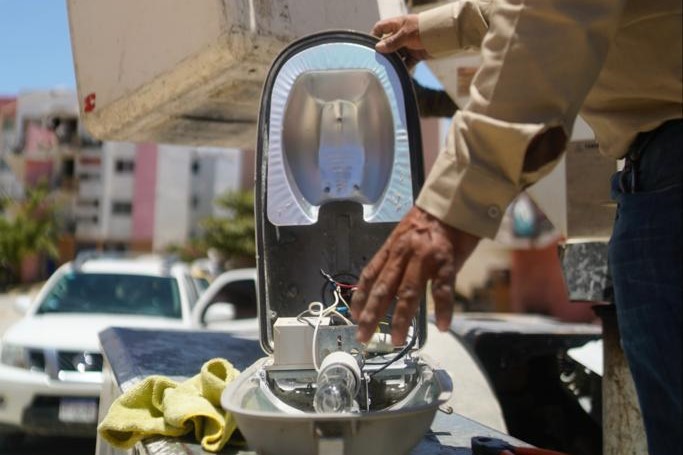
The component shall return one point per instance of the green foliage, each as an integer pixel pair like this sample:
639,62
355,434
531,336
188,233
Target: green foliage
233,236
26,227
187,252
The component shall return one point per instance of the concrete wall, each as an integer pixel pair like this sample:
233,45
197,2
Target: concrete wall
171,210
117,187
201,86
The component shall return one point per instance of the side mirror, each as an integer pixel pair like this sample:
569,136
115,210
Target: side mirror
218,312
22,303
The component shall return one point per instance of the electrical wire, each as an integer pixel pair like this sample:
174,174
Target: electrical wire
383,357
341,298
330,280
338,289
314,343
399,355
317,309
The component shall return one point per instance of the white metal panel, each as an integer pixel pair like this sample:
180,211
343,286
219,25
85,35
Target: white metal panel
119,227
228,171
174,71
171,208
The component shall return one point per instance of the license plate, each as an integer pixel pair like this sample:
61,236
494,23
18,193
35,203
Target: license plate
78,410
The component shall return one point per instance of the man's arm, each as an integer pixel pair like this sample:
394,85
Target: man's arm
540,59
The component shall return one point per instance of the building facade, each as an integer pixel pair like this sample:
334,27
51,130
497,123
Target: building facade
112,195
10,185
149,196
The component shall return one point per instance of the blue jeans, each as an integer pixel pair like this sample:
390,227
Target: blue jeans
645,261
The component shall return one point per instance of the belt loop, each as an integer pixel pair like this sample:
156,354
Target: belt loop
623,174
633,157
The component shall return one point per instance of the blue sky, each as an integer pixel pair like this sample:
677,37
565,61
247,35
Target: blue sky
35,50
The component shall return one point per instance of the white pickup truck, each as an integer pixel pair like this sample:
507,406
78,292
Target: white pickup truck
51,366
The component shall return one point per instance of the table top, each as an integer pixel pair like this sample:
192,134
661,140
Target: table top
134,354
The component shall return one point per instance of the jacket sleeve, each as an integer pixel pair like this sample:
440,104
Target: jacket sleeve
539,60
453,27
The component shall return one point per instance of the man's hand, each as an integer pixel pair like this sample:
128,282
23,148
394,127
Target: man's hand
400,33
420,248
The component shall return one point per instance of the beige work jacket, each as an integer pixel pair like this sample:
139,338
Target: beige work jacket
618,61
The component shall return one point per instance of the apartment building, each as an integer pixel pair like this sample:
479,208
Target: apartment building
10,185
148,196
113,195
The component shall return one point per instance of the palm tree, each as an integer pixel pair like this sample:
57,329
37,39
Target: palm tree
233,236
28,229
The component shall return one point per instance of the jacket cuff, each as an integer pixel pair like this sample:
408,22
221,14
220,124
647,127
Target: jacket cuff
452,27
465,197
474,179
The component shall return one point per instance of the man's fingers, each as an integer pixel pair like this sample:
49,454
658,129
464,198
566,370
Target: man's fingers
367,280
420,247
385,27
398,32
391,43
442,292
409,294
382,293
391,34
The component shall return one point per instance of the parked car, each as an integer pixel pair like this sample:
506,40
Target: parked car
50,363
229,304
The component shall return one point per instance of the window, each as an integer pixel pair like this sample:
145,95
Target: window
87,219
66,129
114,294
84,177
242,294
7,133
8,124
121,208
90,160
68,168
125,166
201,284
192,291
89,203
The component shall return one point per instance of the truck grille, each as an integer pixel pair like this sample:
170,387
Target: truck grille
79,361
55,362
36,360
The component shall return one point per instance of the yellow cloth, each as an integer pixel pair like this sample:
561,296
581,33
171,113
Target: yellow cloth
160,406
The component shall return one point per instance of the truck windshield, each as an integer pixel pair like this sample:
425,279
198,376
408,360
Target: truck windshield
114,294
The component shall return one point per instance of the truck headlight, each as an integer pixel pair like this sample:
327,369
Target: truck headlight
13,355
